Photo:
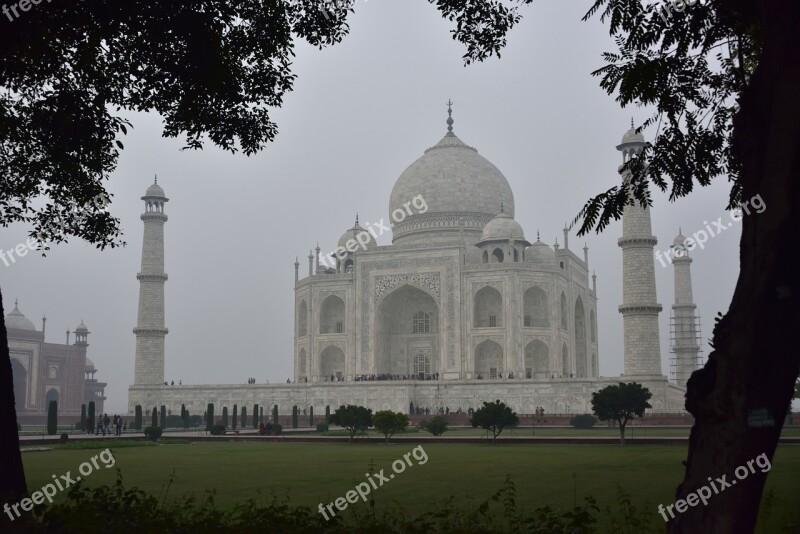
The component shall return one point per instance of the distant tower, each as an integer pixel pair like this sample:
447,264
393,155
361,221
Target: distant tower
685,325
639,307
150,330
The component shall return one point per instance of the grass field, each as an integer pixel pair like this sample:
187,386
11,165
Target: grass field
311,473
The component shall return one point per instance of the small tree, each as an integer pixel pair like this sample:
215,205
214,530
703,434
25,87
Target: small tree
410,408
184,416
82,426
137,417
389,423
294,416
90,415
328,414
353,418
621,404
494,417
187,420
275,420
225,417
244,416
235,415
52,418
154,417
436,426
311,416
261,414
209,415
163,416
256,421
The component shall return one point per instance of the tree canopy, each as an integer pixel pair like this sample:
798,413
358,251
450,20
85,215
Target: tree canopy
621,404
389,423
353,418
494,417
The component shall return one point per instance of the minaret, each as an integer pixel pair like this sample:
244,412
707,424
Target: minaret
685,328
150,330
639,307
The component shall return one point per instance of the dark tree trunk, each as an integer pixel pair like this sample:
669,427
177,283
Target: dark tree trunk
741,397
12,481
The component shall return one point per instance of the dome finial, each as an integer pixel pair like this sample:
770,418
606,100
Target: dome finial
356,218
502,208
156,180
632,122
538,238
16,304
450,116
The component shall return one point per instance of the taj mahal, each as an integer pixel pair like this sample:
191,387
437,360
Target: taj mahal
462,307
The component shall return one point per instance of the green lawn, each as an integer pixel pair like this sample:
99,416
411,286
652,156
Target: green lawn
312,473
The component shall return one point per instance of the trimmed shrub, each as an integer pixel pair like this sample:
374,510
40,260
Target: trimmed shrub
174,421
92,419
277,429
275,419
437,425
52,418
225,417
64,438
163,419
235,416
256,421
82,422
195,420
583,421
311,416
328,414
210,416
137,418
153,432
322,426
217,430
244,416
294,416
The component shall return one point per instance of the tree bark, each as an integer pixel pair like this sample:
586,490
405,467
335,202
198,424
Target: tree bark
621,435
741,397
12,482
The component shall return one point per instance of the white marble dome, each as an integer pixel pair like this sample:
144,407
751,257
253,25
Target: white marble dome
15,319
89,364
540,252
353,233
631,136
155,190
503,228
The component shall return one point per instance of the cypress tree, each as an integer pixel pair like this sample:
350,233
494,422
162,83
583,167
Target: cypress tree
225,416
91,417
235,414
52,418
137,418
261,414
163,416
294,416
154,417
328,414
311,416
256,420
210,416
184,416
275,415
83,418
244,416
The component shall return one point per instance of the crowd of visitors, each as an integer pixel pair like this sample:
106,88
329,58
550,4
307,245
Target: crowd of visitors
105,425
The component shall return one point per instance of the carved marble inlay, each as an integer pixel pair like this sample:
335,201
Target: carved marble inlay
384,284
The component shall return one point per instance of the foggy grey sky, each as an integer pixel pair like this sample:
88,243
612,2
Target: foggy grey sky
361,112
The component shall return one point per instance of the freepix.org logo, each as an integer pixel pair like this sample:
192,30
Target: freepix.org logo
363,238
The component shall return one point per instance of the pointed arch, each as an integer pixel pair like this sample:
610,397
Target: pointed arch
488,308
580,339
302,320
332,316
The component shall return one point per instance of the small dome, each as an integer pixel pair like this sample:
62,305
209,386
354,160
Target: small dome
154,191
353,233
82,327
15,319
680,240
540,252
631,136
90,364
503,228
